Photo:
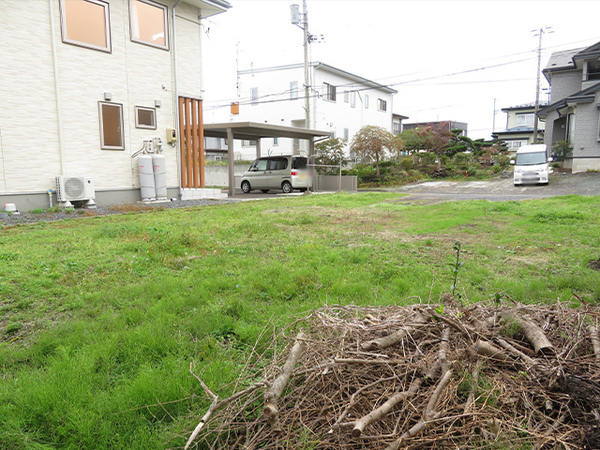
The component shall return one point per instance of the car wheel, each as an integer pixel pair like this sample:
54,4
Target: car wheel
286,187
246,187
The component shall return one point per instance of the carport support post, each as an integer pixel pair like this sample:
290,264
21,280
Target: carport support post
311,160
258,149
231,190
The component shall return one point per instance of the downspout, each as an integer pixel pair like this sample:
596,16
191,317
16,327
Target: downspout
176,99
57,90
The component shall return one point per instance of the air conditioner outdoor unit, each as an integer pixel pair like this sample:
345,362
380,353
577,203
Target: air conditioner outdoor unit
74,189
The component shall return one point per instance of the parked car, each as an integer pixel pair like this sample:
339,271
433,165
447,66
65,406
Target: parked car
277,172
531,165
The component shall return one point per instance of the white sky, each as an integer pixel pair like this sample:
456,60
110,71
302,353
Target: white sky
414,46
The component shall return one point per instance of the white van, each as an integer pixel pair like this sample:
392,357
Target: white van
277,172
531,165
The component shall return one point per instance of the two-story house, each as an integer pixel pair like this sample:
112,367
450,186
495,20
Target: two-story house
520,121
86,84
339,102
442,125
573,114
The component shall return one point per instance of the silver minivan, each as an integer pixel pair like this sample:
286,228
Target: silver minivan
284,172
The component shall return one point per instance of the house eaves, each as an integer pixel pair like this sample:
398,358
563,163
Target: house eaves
592,52
209,7
586,96
327,68
355,78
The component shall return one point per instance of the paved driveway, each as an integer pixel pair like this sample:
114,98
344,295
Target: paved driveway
502,188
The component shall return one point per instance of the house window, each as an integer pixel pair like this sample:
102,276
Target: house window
275,141
366,102
86,23
346,134
111,126
515,144
329,91
525,120
248,143
293,90
148,23
593,70
145,117
254,96
346,96
381,105
353,99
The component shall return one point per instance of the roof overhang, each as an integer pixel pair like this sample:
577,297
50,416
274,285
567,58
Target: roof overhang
209,7
251,131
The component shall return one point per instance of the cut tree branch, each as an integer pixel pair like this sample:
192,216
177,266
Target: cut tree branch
273,393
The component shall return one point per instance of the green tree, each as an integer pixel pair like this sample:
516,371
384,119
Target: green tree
412,141
372,143
435,140
329,153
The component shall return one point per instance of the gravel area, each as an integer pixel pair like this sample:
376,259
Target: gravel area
29,217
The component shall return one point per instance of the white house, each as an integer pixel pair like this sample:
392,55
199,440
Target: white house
339,102
88,83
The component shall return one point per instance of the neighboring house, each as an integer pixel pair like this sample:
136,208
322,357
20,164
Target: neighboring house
88,83
443,125
520,122
340,102
574,111
397,123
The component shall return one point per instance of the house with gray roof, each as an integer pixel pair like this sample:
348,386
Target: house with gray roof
520,121
573,114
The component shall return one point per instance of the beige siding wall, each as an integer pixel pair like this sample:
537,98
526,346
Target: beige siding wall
135,74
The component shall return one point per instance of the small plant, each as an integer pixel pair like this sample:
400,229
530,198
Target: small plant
562,150
456,265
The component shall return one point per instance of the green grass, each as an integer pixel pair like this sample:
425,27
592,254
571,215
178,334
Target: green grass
100,317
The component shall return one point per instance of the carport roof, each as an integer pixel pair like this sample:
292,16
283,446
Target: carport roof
251,131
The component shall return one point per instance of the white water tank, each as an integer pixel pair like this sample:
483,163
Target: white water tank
159,166
146,172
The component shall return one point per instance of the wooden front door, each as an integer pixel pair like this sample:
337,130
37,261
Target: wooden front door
191,142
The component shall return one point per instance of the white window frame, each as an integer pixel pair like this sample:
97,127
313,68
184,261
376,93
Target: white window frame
254,96
329,92
64,29
346,134
293,90
133,25
381,105
366,101
525,119
104,146
346,97
353,99
141,125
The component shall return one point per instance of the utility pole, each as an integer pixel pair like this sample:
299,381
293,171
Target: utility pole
303,23
540,32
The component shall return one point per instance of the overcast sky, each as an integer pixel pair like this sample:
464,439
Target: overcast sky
448,60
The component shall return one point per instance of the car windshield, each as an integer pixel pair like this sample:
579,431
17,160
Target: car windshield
530,159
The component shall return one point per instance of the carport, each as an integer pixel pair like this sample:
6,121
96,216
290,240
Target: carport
252,131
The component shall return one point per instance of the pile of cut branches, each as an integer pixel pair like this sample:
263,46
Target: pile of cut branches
420,376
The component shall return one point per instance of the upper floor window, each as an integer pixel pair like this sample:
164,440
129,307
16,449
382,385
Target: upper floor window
329,91
148,23
86,23
346,96
254,96
593,70
366,102
293,90
353,99
381,105
525,120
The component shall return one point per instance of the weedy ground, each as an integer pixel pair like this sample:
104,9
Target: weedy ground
100,317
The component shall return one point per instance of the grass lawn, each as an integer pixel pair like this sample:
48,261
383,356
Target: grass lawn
101,317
